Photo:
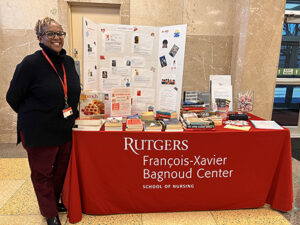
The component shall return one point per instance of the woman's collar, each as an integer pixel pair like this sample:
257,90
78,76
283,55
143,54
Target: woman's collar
51,52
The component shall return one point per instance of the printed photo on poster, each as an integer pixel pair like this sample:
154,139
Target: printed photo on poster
165,43
163,61
177,33
104,74
128,62
173,50
168,81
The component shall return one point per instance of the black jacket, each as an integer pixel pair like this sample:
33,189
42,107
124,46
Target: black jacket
36,94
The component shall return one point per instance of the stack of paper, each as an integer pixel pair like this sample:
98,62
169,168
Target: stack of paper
265,124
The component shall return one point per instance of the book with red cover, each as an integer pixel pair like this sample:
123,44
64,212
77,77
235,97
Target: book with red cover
134,122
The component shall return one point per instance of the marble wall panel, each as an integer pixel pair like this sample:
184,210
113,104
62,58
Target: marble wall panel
209,17
205,56
125,11
20,14
156,12
15,45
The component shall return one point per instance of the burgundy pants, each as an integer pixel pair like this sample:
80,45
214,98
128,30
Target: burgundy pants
48,169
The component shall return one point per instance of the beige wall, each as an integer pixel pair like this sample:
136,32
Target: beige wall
256,44
238,37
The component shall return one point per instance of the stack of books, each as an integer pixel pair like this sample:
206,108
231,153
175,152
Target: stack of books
218,120
134,124
199,109
192,104
172,125
113,124
191,122
88,124
152,126
148,116
166,114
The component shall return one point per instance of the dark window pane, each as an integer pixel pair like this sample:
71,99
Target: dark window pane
289,55
286,105
286,117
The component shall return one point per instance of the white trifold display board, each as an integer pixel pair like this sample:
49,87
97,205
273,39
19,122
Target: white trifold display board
148,60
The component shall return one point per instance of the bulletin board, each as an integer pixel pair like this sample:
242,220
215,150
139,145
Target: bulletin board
148,60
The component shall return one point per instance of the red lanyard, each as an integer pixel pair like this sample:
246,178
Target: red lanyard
64,83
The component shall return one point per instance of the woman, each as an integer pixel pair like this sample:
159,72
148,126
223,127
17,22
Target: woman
45,92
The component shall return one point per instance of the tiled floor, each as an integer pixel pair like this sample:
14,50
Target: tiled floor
18,204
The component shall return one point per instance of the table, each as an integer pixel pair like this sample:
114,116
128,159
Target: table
138,172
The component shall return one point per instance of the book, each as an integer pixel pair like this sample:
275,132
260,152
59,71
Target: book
193,122
218,121
134,124
166,113
89,122
153,126
234,127
266,124
194,108
91,105
113,124
172,125
146,116
87,127
189,114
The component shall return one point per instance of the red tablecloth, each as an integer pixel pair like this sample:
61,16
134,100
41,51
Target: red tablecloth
137,172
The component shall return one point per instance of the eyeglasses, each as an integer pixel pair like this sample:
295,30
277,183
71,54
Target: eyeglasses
51,34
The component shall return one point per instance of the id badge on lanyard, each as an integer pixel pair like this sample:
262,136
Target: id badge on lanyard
67,111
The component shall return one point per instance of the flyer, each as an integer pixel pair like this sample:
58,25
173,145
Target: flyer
121,102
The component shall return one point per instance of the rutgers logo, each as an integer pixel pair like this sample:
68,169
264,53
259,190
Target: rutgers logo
159,145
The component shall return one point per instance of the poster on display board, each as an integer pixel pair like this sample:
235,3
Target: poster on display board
138,57
90,63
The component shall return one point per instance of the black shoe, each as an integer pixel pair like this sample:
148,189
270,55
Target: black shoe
61,207
53,221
